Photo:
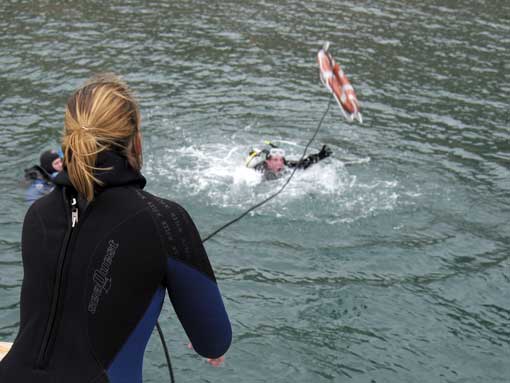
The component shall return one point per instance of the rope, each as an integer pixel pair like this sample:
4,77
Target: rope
281,189
167,355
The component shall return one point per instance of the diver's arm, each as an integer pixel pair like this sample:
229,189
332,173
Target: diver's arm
193,290
310,160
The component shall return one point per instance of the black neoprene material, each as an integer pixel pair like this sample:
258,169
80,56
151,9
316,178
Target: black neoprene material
305,162
85,288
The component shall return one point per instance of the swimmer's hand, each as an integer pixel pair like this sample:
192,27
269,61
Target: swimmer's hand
325,152
213,362
216,362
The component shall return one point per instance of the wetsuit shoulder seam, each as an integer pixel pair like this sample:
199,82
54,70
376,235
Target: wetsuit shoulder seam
120,224
143,195
168,207
165,253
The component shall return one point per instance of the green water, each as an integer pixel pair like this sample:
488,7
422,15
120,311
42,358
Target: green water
394,268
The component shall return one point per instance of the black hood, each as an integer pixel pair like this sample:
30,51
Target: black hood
121,173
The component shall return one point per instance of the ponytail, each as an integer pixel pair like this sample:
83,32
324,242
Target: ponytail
99,116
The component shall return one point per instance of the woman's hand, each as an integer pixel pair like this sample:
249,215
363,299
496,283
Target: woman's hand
216,362
213,362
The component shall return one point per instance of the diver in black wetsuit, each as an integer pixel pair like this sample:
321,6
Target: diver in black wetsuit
41,176
99,253
272,162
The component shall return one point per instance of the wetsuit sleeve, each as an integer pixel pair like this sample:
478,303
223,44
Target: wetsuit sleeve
310,160
193,290
305,162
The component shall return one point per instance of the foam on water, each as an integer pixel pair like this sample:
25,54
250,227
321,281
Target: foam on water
328,191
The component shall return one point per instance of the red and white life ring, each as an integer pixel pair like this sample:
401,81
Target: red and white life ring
333,77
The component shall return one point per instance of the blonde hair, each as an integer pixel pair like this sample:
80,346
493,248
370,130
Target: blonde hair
101,115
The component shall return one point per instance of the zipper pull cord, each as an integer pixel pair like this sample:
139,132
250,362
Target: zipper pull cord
74,212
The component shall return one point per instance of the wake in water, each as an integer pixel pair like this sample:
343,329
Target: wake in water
329,191
218,166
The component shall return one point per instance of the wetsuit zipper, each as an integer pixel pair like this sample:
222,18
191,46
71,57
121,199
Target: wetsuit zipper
50,332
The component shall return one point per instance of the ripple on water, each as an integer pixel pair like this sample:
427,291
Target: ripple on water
387,262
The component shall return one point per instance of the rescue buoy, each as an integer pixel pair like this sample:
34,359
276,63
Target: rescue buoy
335,80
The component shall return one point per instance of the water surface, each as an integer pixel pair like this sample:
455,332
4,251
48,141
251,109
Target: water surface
388,262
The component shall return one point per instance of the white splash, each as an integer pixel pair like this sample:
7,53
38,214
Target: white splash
216,173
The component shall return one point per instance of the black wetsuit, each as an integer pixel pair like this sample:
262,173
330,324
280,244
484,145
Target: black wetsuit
92,293
41,183
305,163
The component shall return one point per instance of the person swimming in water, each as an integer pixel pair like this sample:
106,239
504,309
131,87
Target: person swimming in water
41,176
272,162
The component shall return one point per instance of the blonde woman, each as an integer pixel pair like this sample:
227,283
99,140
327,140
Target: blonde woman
99,253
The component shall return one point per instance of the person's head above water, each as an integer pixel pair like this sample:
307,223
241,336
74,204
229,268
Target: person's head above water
51,162
101,115
275,160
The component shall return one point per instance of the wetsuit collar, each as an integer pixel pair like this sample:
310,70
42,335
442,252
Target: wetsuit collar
121,173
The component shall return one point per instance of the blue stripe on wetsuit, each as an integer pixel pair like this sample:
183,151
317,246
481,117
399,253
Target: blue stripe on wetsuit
127,365
198,304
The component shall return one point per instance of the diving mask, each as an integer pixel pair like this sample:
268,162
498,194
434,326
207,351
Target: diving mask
276,152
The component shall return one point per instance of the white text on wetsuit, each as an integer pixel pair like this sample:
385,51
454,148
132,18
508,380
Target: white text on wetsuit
102,282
